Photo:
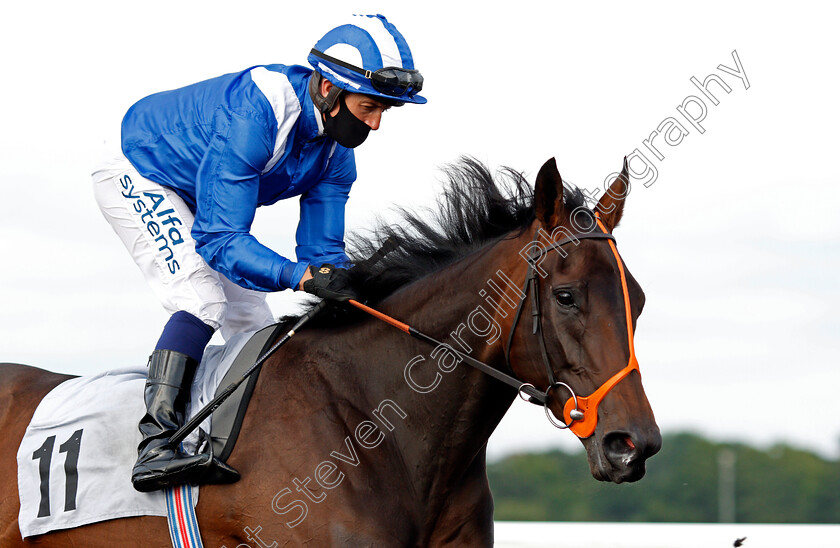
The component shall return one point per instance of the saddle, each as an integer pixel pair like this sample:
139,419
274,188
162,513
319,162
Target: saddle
227,419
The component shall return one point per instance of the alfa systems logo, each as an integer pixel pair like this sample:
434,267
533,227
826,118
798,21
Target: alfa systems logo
160,221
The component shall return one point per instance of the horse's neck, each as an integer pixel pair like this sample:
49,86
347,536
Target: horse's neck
361,373
452,413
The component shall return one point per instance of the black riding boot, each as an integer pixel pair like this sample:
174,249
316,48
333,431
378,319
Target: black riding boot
158,464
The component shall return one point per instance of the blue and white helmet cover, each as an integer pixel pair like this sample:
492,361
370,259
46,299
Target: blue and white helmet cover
369,42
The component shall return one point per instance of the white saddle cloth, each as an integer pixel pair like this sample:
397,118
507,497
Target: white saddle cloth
76,457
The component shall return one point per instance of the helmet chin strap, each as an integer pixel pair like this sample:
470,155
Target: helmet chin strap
324,104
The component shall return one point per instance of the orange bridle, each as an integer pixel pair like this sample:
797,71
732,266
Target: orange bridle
580,413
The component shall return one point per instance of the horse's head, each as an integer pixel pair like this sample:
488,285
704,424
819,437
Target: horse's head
586,314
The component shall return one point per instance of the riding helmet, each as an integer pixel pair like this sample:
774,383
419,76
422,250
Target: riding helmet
368,55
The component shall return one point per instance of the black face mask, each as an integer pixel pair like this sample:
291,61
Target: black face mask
347,130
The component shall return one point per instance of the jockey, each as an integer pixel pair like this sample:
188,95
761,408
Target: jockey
194,165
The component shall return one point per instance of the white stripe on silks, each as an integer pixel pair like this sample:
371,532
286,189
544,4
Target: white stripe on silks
332,151
284,102
387,45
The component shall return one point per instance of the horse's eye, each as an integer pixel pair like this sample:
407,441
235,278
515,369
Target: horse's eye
564,298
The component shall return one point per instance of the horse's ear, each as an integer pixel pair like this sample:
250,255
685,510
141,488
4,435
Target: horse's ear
611,204
548,195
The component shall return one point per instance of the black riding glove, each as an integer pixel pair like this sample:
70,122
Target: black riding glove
329,282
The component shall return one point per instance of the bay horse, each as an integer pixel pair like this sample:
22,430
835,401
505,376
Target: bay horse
359,435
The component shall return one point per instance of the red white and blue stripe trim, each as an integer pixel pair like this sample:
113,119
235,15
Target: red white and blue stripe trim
180,513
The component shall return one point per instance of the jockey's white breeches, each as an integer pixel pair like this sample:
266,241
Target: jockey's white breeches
154,224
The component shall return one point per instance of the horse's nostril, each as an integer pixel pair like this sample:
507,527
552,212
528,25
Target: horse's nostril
626,454
619,446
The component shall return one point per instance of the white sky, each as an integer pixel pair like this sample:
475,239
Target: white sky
736,244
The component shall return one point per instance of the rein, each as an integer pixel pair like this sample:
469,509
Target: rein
520,386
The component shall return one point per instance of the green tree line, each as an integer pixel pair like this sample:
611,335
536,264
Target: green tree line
778,485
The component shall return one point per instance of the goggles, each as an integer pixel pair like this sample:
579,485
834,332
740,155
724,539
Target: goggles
392,81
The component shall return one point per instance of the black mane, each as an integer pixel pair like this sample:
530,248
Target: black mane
474,209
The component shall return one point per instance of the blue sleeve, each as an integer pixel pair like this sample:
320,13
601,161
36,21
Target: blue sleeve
320,232
227,188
